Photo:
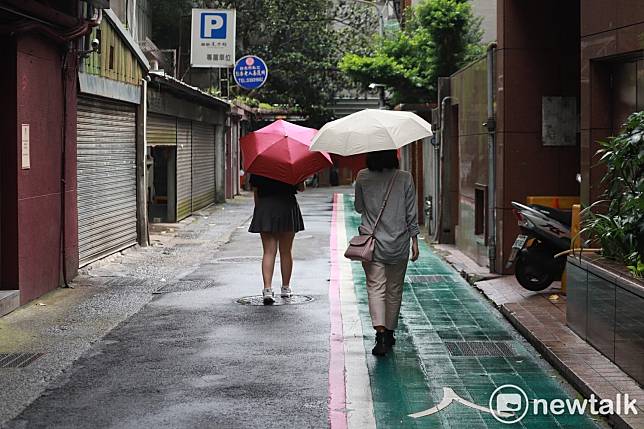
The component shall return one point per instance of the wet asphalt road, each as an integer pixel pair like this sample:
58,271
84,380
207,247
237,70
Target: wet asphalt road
194,357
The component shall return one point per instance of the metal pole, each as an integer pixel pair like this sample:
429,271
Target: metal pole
381,96
439,171
491,169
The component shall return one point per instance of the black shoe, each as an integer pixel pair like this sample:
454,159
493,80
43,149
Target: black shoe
390,340
381,348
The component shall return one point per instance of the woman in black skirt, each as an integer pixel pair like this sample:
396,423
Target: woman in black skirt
276,218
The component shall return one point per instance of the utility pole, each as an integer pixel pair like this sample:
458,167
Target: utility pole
381,27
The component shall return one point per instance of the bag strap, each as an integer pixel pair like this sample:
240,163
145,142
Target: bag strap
384,202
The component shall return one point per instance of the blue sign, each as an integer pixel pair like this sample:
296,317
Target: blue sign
250,72
213,25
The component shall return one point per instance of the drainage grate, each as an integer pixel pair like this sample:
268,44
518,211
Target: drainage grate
185,286
18,360
430,278
479,348
258,300
238,259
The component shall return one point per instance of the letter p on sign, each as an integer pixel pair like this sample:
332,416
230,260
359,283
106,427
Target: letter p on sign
213,26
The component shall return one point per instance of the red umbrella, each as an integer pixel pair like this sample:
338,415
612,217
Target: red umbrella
281,151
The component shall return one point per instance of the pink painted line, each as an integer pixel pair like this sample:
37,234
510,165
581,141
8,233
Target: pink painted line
337,387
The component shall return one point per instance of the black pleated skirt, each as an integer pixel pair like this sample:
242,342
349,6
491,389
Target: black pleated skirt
277,213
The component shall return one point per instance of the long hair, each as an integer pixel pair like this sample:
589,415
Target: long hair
382,159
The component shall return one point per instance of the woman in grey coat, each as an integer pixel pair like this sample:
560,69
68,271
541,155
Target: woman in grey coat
398,227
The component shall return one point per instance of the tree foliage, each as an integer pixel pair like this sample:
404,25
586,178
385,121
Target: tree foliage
439,37
301,41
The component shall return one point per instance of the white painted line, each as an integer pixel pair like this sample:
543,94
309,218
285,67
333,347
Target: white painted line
358,386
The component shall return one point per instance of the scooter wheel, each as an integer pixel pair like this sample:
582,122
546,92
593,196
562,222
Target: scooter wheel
532,271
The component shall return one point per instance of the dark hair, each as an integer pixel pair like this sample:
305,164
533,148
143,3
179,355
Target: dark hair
378,161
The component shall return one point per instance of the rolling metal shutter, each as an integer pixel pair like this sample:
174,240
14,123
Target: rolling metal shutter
106,177
203,165
161,130
184,169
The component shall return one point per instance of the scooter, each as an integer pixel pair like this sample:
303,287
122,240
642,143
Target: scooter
545,231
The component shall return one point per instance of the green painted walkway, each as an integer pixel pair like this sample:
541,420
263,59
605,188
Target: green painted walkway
411,379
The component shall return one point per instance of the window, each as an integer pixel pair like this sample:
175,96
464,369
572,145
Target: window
480,209
111,58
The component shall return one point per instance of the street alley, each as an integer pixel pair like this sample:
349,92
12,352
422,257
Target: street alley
200,354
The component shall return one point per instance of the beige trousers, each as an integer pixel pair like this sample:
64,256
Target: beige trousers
384,289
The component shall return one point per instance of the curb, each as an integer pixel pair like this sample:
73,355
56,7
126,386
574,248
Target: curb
615,420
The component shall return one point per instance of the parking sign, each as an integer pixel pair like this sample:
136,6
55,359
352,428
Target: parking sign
212,38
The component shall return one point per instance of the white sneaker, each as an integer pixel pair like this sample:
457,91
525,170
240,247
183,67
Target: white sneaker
287,292
268,296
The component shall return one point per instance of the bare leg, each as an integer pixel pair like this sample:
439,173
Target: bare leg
269,243
286,257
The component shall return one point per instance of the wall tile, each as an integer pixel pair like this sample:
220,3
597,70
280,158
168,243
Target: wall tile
598,46
601,315
628,12
598,16
629,334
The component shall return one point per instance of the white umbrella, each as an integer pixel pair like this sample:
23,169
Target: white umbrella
370,130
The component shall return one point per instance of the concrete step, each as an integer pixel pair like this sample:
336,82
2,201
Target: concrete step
9,301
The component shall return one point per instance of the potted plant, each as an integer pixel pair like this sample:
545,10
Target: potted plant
606,291
617,221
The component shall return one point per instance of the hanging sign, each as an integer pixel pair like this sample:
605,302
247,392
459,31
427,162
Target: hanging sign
250,72
212,38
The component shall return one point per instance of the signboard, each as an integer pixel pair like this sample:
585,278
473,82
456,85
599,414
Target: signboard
250,72
26,162
212,38
560,121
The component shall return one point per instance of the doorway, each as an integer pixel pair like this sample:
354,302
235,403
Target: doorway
162,186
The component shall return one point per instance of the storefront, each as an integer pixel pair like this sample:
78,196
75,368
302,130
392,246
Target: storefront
109,120
185,131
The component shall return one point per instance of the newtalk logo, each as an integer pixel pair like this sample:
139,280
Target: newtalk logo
509,404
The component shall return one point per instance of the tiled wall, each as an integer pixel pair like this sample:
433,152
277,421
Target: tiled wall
612,79
605,310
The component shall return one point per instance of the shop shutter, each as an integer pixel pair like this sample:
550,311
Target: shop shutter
203,165
106,156
161,130
184,169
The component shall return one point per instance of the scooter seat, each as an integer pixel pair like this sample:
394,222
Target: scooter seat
561,216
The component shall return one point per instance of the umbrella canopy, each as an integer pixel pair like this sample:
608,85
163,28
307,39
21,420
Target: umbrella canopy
371,130
281,151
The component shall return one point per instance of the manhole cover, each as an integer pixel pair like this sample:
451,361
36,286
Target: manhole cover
479,348
238,259
258,300
430,278
18,360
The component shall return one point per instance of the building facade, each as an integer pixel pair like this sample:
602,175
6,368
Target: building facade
534,82
38,80
187,150
110,144
74,177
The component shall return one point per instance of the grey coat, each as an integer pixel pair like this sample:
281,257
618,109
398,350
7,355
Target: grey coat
399,221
